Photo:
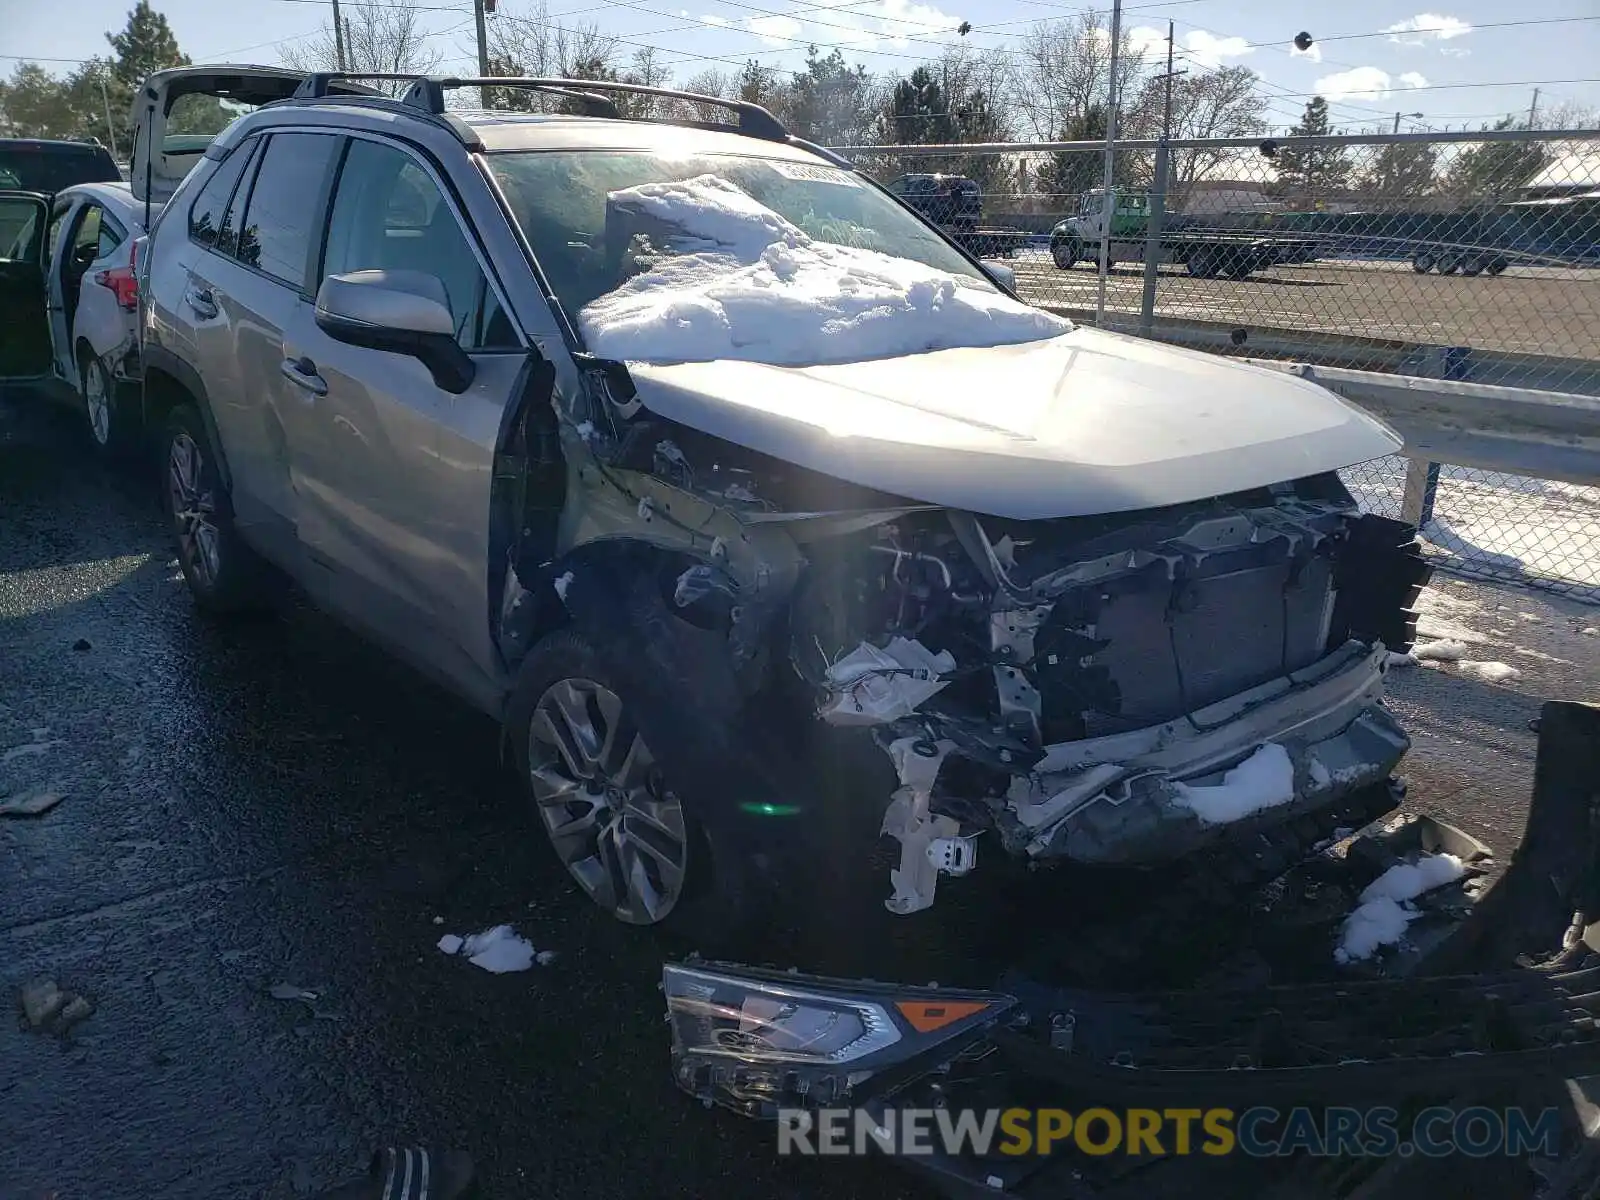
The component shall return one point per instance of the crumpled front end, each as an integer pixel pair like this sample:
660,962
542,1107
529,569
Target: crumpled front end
1112,689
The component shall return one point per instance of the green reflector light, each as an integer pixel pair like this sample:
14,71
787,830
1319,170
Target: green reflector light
770,810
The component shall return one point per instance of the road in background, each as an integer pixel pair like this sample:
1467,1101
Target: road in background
1357,298
271,802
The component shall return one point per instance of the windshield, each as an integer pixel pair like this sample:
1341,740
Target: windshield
705,257
560,200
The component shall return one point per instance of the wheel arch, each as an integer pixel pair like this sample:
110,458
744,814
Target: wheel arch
170,381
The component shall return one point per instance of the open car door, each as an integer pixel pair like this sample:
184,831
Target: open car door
24,321
178,113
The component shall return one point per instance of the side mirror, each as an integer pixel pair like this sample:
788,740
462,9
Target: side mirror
1003,275
399,312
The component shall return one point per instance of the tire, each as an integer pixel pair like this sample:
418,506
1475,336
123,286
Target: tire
1472,266
1202,264
1449,264
1496,265
109,423
1065,253
632,837
1238,268
224,575
1423,263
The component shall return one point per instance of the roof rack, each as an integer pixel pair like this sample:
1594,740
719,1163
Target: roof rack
754,121
427,94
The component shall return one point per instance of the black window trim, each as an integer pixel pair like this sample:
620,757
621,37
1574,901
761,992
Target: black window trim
248,145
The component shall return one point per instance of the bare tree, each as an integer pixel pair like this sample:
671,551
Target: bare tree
386,37
1062,73
531,43
1208,104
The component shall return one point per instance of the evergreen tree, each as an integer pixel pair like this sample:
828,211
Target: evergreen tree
1495,169
1313,171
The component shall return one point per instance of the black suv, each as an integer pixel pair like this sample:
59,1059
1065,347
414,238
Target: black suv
35,165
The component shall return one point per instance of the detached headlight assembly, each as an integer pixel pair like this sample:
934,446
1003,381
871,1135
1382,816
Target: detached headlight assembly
755,1040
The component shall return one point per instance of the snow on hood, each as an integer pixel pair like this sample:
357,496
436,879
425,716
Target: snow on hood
1087,422
744,283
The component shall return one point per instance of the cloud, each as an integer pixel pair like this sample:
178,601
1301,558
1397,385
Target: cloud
1312,53
1144,39
775,30
1454,51
1414,79
713,19
1208,50
1414,31
1358,81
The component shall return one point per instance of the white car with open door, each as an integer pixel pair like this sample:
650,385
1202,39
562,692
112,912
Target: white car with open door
69,272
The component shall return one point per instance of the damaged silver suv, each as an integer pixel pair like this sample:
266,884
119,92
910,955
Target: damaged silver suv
766,519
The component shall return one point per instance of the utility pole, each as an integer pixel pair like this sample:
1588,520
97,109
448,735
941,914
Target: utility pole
1533,109
1108,198
484,94
338,35
1158,201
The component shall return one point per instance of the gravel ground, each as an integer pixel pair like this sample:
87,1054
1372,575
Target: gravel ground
274,802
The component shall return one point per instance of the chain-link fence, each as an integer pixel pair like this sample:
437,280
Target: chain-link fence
1458,256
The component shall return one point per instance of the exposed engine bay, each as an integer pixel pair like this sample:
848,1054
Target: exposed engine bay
1101,689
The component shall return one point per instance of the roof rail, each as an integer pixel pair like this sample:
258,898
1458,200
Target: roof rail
427,93
320,84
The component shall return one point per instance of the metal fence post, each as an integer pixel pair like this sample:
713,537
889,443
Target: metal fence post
1421,488
1152,242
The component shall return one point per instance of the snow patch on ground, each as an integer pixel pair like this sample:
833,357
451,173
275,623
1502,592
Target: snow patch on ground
744,283
562,583
1488,672
498,950
1384,913
1262,781
1441,651
1396,659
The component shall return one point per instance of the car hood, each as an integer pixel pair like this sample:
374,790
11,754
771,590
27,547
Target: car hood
1088,422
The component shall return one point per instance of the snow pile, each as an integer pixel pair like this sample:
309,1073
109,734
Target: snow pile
1384,912
1264,780
744,283
1489,672
498,950
1447,650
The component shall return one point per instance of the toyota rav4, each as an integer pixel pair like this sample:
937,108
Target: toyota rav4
765,519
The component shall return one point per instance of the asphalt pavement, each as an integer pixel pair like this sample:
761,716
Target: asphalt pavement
270,802
274,802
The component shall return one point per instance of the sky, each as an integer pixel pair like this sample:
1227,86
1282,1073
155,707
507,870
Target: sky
1456,64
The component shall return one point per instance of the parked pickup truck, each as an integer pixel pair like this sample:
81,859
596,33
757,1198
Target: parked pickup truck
1204,252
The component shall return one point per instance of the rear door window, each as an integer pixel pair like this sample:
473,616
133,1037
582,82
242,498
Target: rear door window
281,214
50,169
205,216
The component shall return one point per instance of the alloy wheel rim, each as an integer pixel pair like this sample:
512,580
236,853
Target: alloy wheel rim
193,508
95,400
614,824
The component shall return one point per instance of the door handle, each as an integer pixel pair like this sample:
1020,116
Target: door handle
302,372
201,301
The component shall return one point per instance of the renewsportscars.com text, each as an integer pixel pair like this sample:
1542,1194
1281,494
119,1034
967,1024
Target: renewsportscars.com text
1261,1132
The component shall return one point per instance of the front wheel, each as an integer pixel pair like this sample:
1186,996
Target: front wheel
1423,263
598,745
223,574
1065,253
1449,264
